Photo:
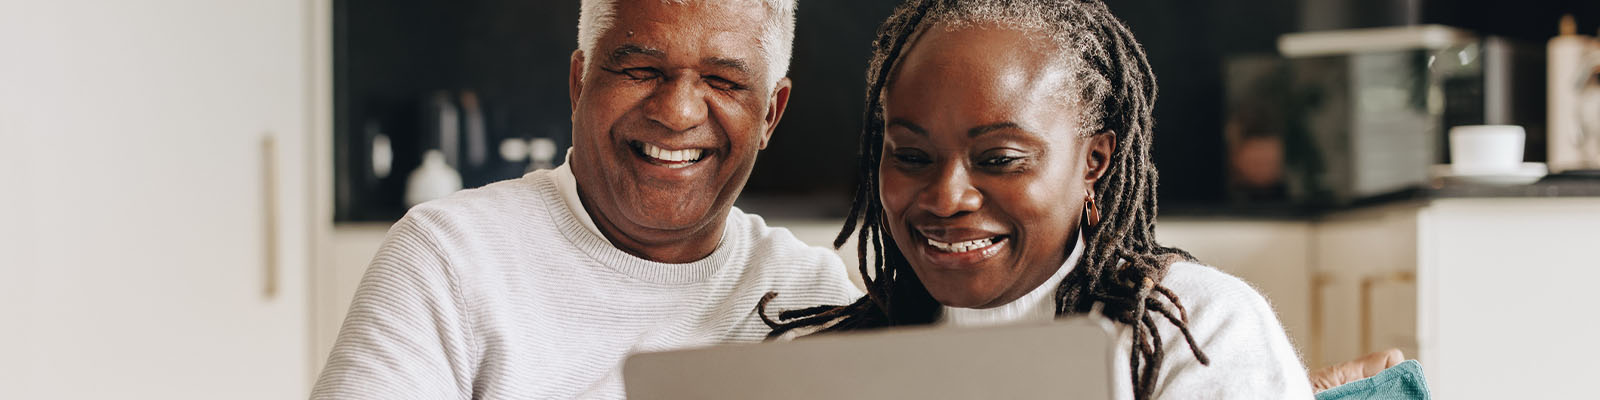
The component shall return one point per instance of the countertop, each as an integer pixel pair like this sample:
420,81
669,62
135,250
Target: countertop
1552,186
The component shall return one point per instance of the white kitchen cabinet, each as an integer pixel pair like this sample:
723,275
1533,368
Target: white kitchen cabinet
156,196
1474,288
1502,297
1481,290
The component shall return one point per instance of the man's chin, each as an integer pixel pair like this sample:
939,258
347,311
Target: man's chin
681,220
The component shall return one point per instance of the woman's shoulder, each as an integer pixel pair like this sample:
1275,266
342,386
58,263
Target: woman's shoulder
1234,324
1208,293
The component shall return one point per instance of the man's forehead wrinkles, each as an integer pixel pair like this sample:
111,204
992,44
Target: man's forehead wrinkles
725,29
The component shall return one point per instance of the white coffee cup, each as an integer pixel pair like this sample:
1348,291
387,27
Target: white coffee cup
1486,149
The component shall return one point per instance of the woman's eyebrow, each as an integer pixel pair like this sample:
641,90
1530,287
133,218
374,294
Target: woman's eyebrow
914,128
974,132
980,130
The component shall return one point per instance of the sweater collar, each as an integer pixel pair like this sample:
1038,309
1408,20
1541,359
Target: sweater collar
572,220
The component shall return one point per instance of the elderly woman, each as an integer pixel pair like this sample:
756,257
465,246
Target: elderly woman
1006,157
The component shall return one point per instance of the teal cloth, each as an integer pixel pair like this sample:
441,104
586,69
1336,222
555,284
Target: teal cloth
1400,382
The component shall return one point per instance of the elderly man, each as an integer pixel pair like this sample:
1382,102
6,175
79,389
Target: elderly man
539,287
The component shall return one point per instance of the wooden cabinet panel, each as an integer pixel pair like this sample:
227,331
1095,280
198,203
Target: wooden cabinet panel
1362,260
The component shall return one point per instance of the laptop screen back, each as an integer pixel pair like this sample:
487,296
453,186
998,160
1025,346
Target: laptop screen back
1067,358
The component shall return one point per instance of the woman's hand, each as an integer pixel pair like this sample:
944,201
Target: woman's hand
1354,370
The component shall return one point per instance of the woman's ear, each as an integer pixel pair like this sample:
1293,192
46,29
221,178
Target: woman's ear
1098,159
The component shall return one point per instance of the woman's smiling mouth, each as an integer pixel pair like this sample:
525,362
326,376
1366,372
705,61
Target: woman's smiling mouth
962,247
962,254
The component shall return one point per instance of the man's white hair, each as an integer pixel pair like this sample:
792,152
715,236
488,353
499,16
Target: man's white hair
777,32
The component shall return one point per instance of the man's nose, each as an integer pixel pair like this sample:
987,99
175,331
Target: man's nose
679,104
951,193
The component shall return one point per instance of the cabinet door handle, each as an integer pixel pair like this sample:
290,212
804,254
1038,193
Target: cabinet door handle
269,179
1366,301
1319,285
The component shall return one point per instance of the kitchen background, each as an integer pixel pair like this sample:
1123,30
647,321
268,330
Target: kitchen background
197,186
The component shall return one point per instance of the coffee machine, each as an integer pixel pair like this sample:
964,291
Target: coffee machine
1362,113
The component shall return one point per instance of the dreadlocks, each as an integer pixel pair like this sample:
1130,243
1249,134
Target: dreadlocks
1122,265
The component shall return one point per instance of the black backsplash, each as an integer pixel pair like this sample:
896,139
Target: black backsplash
391,56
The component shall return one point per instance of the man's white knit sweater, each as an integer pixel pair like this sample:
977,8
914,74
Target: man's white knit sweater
508,292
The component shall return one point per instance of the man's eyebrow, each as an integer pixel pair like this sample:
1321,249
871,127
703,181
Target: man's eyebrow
630,49
914,128
732,63
980,130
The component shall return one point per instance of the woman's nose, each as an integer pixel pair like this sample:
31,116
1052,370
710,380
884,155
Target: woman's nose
951,193
678,105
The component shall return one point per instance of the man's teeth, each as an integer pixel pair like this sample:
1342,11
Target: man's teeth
671,155
961,247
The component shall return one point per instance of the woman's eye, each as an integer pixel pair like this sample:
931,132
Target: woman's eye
999,161
720,83
910,158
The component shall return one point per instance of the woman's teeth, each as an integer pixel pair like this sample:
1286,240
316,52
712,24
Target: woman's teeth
671,156
961,247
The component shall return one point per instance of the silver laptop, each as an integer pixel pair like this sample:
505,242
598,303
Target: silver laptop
1068,358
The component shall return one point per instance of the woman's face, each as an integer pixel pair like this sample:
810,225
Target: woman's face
984,169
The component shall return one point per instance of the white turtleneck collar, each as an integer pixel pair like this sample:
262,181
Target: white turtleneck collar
1037,305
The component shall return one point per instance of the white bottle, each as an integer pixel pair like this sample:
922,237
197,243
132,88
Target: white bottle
431,180
542,153
1571,58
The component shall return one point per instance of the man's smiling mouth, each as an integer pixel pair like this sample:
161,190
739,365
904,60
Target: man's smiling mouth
668,158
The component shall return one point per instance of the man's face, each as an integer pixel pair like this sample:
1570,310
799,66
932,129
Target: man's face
667,120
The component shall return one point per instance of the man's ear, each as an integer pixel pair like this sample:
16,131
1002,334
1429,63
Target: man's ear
1098,159
575,80
775,107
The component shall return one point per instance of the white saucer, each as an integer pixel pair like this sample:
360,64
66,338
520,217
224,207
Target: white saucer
1525,174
